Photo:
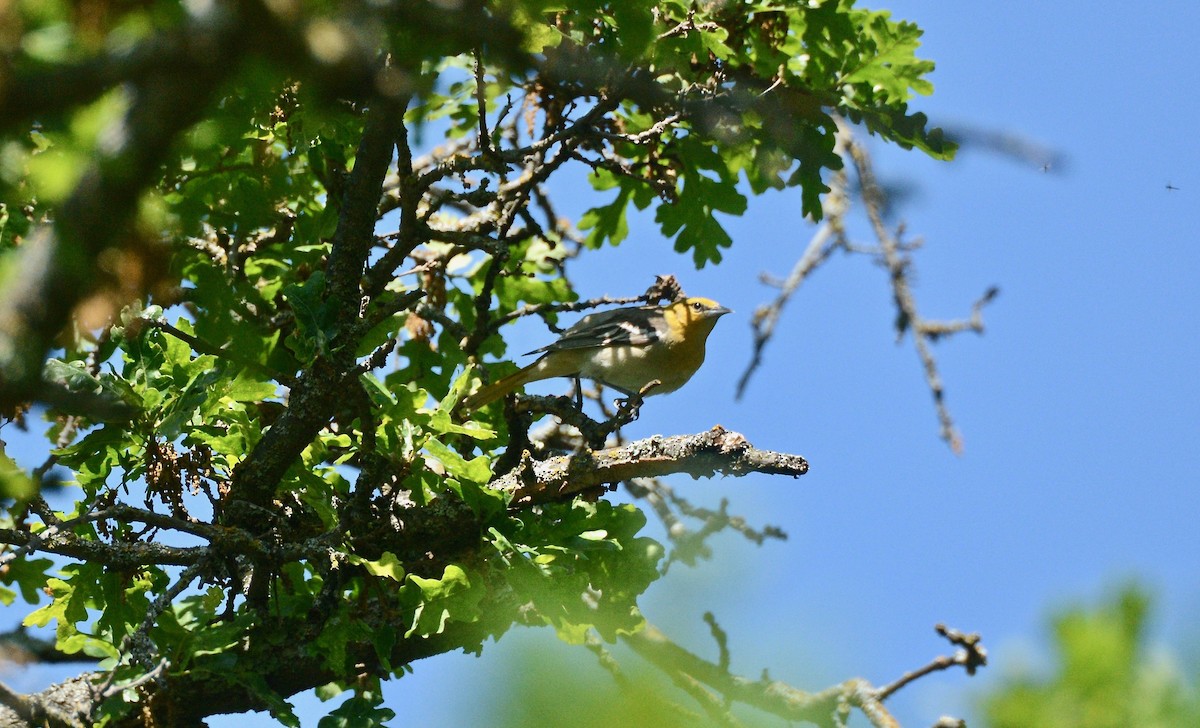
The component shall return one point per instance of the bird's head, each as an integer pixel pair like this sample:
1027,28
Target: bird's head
696,314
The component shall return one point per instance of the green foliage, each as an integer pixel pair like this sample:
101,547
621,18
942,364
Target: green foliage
580,565
1105,676
266,340
436,601
789,69
15,483
362,710
27,574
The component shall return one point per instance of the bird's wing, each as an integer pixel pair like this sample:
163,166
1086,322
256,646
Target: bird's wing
635,326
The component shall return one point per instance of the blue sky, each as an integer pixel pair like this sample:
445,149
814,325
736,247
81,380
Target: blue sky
1080,406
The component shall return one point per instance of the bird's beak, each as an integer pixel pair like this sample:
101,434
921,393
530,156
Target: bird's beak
719,311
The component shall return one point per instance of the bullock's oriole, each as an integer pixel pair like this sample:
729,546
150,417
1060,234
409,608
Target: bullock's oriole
626,349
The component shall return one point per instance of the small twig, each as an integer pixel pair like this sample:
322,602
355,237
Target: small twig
596,646
138,639
906,305
378,357
937,329
829,237
687,26
455,164
715,521
485,136
51,531
594,434
651,134
650,490
891,251
721,638
971,656
688,545
433,313
630,408
710,701
387,305
483,304
37,503
150,676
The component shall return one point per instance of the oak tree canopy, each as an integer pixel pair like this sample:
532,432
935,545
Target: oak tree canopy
255,253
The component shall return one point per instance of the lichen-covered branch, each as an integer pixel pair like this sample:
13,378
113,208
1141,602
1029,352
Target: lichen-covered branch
702,455
34,710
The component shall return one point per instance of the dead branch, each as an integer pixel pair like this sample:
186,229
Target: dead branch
892,251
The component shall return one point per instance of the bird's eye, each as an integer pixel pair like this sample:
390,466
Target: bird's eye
697,306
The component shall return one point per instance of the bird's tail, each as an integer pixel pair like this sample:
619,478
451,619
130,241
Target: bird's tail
544,368
498,389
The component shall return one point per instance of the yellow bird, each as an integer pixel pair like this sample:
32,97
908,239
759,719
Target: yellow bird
626,349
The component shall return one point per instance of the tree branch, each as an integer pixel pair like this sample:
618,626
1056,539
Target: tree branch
355,232
35,711
822,708
907,315
828,238
318,390
891,253
702,455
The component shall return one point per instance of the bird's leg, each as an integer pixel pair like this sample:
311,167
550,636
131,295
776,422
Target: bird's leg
629,408
579,394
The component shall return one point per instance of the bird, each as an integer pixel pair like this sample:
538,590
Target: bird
625,348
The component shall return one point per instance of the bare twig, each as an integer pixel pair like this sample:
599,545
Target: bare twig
891,250
971,656
829,237
709,700
689,545
937,329
827,707
485,136
687,26
897,266
150,676
656,130
52,531
721,638
596,646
